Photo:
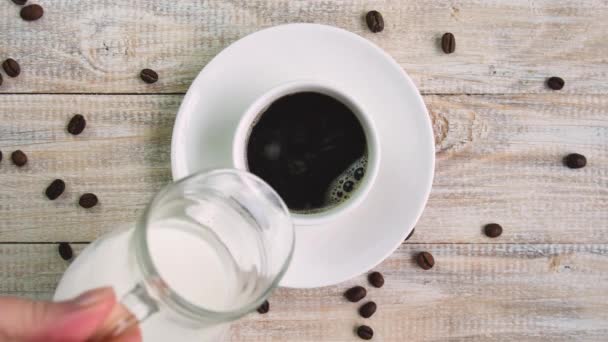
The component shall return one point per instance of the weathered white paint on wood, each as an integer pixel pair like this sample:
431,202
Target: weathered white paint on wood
122,156
31,270
498,159
502,46
498,156
483,292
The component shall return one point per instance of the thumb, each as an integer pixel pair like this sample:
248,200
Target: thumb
71,321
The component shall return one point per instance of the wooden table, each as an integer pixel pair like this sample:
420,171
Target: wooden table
500,137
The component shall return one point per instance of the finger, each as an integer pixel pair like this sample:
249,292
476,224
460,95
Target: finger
133,334
70,321
119,321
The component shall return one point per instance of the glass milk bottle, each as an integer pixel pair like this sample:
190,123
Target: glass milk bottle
209,249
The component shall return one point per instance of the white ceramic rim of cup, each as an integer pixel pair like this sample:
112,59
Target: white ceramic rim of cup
373,145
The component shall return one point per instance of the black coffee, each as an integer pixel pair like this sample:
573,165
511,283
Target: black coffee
310,148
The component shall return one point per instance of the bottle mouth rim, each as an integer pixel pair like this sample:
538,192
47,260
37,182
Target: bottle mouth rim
171,298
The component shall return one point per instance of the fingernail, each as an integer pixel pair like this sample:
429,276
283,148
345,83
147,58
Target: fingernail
92,297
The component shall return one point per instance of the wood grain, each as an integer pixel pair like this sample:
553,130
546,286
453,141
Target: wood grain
502,46
123,156
498,155
480,292
32,270
498,160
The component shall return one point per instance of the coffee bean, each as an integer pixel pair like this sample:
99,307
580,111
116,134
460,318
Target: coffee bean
492,230
410,234
367,309
575,161
19,158
32,12
425,260
11,67
149,76
376,279
375,22
355,294
448,43
65,251
20,2
264,308
555,83
55,189
88,201
77,124
365,332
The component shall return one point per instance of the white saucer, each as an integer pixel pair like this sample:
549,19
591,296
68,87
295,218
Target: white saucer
204,129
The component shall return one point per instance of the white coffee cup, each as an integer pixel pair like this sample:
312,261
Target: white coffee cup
259,106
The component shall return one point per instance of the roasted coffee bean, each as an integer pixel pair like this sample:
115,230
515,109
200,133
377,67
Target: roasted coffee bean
20,2
11,67
32,12
556,83
376,279
264,308
65,251
77,124
149,76
367,309
448,43
492,230
365,332
575,161
410,234
355,294
425,260
19,158
88,201
55,189
375,22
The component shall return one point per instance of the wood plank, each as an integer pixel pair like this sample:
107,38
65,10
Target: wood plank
502,46
498,159
483,292
32,270
123,156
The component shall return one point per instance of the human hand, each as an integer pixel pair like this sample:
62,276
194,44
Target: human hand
76,320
